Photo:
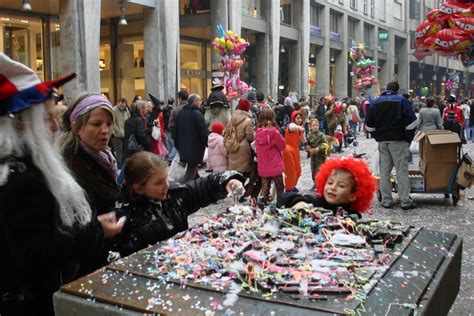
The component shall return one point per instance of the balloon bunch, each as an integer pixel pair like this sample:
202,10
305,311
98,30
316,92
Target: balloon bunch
231,46
449,30
364,67
452,84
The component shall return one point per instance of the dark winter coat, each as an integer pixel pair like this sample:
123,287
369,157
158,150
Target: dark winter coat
150,221
102,191
291,198
389,116
135,125
35,246
191,135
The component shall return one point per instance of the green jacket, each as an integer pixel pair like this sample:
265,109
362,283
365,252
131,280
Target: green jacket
119,121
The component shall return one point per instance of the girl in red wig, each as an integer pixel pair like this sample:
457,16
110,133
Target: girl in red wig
342,182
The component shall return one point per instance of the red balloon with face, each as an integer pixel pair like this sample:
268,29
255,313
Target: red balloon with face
452,41
464,23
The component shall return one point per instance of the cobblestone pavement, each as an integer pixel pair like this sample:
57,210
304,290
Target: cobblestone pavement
433,212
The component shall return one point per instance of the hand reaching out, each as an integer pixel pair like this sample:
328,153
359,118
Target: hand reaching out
110,225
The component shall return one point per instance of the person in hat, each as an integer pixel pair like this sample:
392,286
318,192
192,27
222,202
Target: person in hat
217,107
241,160
453,117
88,125
46,222
166,115
217,154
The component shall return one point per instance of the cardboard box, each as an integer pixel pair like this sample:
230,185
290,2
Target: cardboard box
437,175
438,146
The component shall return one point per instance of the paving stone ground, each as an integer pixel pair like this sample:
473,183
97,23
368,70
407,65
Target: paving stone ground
433,212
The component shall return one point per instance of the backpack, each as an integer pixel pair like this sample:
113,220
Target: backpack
231,143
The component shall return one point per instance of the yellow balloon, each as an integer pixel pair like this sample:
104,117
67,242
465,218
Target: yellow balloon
216,40
242,41
229,33
230,45
222,42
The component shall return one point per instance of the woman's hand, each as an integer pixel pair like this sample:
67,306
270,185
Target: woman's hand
110,225
234,187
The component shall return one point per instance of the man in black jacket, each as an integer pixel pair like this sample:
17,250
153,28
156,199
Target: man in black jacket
392,122
191,136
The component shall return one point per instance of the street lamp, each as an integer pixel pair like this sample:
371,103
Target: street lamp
26,6
122,21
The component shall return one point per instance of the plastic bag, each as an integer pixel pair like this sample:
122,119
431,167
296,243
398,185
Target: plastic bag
415,147
155,132
177,169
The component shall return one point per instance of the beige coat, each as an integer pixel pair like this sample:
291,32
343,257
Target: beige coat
241,160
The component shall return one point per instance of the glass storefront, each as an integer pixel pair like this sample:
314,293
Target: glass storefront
195,64
187,7
21,38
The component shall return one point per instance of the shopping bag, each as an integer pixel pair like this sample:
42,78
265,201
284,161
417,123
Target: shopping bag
177,169
155,132
415,147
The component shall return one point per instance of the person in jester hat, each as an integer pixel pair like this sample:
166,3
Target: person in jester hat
342,183
294,136
46,223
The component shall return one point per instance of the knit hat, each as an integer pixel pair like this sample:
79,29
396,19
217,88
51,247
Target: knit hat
217,128
244,105
20,87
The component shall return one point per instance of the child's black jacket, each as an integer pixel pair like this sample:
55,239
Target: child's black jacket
150,221
291,198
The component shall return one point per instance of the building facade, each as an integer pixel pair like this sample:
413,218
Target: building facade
298,46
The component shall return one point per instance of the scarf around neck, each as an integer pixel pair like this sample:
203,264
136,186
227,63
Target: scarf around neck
104,158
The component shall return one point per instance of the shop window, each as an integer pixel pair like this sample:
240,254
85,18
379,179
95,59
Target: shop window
190,56
252,8
56,57
106,78
312,79
21,39
132,62
188,7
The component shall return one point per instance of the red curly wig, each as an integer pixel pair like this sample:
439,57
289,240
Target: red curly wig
364,181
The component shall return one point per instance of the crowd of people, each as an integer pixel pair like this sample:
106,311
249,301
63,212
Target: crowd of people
78,195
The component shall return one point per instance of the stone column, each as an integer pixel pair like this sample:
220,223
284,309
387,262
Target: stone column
390,64
341,61
268,50
403,64
80,43
161,37
219,15
235,16
299,51
322,57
